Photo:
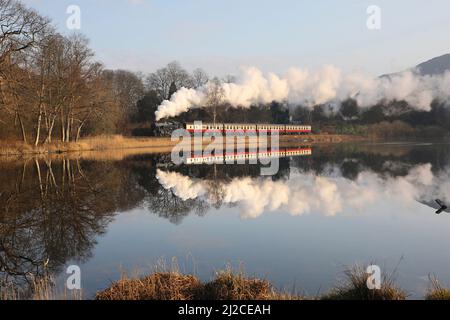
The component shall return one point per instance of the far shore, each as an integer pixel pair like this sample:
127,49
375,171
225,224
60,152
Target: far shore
136,145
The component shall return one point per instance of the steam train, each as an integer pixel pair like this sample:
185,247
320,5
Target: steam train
270,129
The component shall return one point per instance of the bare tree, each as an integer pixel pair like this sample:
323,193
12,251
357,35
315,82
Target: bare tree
229,79
19,28
162,80
199,78
215,96
128,89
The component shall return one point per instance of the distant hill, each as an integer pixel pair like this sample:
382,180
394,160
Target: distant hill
435,66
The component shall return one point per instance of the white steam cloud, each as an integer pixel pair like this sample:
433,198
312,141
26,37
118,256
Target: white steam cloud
299,86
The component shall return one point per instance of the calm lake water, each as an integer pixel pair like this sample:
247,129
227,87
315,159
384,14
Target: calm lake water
341,205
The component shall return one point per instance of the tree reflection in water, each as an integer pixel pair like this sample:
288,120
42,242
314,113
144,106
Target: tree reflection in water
52,211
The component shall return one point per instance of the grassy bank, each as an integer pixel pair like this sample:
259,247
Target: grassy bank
175,286
117,142
42,289
437,291
99,143
227,285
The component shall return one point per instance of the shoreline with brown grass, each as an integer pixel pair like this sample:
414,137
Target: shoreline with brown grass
227,285
151,144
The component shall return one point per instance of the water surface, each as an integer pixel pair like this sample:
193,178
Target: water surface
341,205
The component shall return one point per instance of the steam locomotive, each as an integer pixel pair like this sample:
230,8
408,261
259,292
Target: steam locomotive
270,129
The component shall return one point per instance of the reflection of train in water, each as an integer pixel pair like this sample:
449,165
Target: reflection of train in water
248,128
243,156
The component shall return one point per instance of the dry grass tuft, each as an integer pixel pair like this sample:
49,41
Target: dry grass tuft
437,291
230,286
175,286
354,287
43,289
158,286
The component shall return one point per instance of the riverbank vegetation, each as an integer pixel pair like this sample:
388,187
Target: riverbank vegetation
228,285
437,291
97,143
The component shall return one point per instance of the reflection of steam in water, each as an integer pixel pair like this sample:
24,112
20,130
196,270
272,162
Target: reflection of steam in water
247,155
305,193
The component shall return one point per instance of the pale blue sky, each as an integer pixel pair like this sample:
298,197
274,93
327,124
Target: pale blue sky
221,35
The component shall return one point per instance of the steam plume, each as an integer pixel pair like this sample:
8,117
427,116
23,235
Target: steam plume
299,86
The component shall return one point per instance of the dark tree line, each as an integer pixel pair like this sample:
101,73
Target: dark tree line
348,113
